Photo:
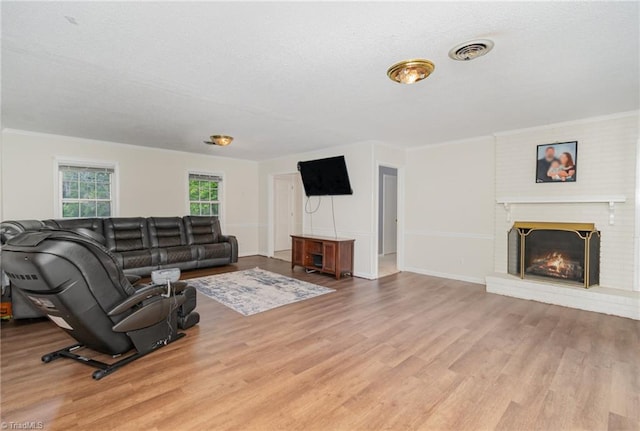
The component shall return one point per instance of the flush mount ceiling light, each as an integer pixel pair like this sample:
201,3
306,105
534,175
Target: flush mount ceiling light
221,140
471,50
410,71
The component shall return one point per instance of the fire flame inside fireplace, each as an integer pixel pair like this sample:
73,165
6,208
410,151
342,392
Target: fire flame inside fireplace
556,264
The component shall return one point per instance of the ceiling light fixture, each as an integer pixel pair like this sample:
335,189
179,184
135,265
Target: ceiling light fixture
471,50
221,140
410,71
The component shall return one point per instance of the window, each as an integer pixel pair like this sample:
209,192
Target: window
86,191
204,194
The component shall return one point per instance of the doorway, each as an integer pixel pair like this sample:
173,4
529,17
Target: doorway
387,221
287,213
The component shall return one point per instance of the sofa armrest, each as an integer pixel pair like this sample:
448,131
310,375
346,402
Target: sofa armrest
233,242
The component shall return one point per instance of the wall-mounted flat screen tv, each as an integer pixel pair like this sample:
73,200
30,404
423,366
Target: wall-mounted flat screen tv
325,177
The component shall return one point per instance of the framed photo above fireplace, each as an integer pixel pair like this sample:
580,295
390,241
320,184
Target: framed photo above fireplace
557,163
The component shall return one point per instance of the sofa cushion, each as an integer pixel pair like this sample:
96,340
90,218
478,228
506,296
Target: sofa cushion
94,224
184,257
166,232
137,259
202,229
89,227
214,251
126,234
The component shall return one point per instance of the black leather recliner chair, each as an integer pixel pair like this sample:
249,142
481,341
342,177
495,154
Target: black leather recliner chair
77,283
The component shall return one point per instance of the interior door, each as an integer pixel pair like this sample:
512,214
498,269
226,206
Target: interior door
389,214
283,211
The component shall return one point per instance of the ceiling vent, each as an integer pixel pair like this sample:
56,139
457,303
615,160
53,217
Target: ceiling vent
470,50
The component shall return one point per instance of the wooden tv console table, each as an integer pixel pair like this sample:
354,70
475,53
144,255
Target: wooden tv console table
329,255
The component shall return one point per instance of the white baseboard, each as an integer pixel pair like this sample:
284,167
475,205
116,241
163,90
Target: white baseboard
366,275
467,278
605,300
248,254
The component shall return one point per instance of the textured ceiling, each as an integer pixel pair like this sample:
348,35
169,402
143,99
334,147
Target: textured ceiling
290,77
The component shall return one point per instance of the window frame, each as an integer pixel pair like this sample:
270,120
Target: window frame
83,163
221,194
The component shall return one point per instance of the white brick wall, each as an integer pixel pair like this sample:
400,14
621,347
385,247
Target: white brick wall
606,164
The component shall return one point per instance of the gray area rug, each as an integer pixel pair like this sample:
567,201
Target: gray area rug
256,290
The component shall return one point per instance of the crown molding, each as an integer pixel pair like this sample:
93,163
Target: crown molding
614,116
118,144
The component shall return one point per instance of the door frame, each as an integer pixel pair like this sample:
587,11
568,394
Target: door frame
384,205
271,218
401,216
280,181
636,272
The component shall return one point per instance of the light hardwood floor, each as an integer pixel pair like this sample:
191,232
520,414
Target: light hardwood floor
404,352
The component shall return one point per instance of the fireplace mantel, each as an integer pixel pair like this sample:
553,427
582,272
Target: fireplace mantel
610,200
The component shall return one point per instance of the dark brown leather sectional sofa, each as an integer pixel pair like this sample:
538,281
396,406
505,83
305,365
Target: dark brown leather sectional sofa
142,245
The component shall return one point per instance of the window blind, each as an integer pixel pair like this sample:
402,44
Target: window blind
205,177
79,168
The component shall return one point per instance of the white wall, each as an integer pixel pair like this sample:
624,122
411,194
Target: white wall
449,209
355,215
152,182
448,222
28,170
606,167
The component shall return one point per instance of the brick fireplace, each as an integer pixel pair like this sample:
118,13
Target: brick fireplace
609,200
